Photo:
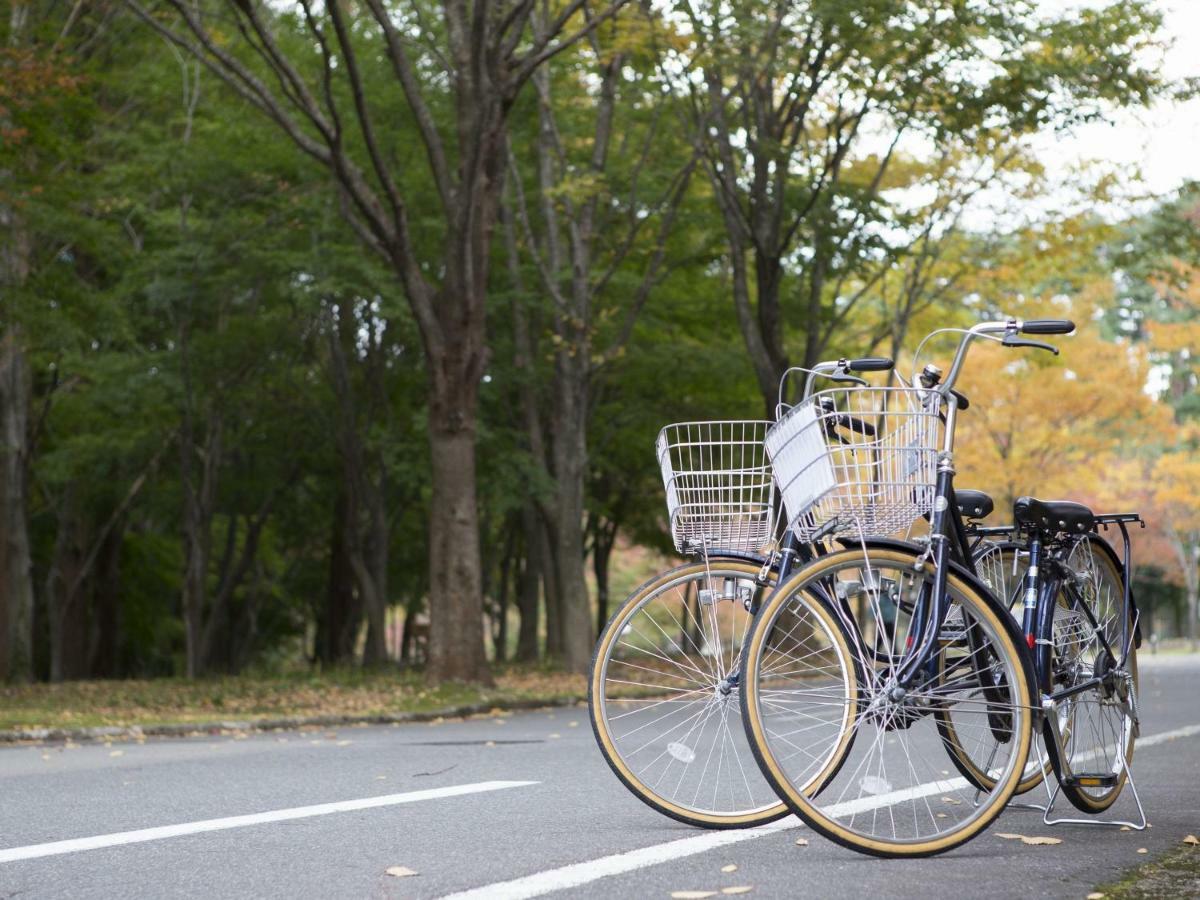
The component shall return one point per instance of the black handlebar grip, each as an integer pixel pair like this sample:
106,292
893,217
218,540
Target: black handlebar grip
871,364
1047,326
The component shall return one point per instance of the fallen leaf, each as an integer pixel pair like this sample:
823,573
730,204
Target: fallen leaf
400,872
572,724
692,895
941,815
738,889
344,743
553,736
490,744
381,778
1124,827
729,868
45,756
1142,850
1191,839
952,800
801,842
1095,895
1025,839
117,753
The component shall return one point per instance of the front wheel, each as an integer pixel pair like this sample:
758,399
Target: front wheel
894,793
663,697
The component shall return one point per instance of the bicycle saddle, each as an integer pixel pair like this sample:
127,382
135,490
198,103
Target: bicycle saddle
1053,516
974,504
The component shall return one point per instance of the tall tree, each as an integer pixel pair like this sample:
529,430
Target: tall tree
607,177
473,66
803,108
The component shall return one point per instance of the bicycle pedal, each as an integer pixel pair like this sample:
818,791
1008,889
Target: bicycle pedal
1103,780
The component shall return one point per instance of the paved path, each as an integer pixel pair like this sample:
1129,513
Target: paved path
519,806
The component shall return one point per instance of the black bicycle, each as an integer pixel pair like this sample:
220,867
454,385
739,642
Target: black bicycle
869,663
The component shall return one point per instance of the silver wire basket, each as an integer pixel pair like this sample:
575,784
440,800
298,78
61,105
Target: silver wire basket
856,461
720,491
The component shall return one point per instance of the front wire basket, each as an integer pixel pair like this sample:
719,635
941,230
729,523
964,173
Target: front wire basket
720,491
857,461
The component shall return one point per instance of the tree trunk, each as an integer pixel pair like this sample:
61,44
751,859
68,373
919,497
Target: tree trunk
198,507
548,567
104,648
603,538
342,612
369,532
375,556
528,588
500,633
567,540
64,593
456,641
16,564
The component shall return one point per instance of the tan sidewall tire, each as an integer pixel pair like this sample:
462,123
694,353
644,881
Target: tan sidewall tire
1080,799
796,800
600,727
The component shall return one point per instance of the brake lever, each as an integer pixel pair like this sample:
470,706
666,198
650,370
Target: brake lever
852,379
1011,340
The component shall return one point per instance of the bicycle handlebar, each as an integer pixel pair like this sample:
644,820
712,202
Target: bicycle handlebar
836,369
1010,328
871,364
1047,326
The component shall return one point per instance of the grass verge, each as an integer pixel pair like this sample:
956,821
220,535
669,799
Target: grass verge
1175,876
346,694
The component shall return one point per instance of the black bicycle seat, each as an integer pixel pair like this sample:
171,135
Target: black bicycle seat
1053,516
974,504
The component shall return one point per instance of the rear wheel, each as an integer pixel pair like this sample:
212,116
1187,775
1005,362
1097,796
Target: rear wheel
1001,567
663,697
1102,721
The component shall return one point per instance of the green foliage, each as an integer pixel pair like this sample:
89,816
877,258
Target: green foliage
188,269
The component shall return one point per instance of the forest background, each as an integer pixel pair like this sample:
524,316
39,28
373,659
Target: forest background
336,335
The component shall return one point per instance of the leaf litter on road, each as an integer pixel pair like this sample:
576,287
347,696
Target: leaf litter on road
401,872
692,895
1037,841
729,868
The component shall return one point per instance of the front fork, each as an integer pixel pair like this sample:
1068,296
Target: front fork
929,611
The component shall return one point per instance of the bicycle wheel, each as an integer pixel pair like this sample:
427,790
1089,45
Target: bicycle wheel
999,566
1102,721
663,697
892,796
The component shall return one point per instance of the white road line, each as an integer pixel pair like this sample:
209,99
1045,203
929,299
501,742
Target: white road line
583,873
1165,736
277,815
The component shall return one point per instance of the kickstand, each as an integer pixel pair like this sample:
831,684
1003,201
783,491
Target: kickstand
1052,796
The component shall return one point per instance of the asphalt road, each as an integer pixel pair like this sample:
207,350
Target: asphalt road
517,806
